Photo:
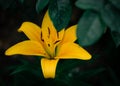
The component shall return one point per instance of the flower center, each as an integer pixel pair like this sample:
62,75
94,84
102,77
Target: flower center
49,44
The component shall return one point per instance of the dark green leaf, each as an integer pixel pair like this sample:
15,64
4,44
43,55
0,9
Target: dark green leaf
90,4
26,79
90,28
30,67
113,76
36,71
21,1
90,73
67,65
116,3
111,17
6,3
20,69
60,13
41,4
109,78
77,77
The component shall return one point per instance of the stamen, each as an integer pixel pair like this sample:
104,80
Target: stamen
48,32
42,37
48,45
56,41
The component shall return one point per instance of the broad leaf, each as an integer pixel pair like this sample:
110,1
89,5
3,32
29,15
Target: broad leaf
26,66
40,4
6,3
116,3
90,28
66,65
90,4
90,73
78,78
60,13
111,17
21,1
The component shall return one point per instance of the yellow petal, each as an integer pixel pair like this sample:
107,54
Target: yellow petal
61,34
49,67
70,34
31,30
48,27
27,48
72,51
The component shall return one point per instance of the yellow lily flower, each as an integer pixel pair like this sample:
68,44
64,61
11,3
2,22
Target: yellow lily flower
50,44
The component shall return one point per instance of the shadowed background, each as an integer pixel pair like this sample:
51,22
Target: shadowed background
101,70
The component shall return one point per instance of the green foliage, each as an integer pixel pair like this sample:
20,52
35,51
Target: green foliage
29,73
90,28
116,3
40,4
60,13
109,14
6,3
90,4
99,17
21,1
27,66
78,79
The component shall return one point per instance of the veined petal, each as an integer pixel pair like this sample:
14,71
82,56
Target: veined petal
31,30
70,34
48,27
49,67
72,51
27,48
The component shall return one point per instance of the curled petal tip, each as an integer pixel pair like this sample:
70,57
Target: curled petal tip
49,67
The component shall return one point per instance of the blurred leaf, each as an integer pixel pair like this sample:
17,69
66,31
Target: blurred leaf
53,82
20,69
26,79
66,65
77,78
21,1
116,37
6,3
90,4
21,80
77,82
90,73
60,13
113,76
109,78
90,28
33,68
116,3
111,17
40,4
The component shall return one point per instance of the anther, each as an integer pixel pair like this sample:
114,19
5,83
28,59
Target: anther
48,32
48,45
56,41
42,37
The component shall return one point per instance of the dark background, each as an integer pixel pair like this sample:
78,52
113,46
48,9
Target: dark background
105,54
